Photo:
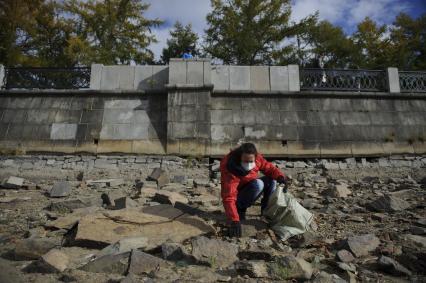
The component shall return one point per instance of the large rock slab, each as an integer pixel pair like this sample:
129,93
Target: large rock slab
158,224
60,189
363,244
33,248
51,262
388,203
13,183
214,252
69,220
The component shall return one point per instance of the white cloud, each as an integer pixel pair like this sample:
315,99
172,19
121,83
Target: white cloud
346,13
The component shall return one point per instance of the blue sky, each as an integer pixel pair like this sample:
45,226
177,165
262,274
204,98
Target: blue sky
345,13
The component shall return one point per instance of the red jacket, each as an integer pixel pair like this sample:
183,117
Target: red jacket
231,184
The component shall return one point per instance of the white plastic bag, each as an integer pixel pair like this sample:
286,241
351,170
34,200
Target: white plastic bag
286,216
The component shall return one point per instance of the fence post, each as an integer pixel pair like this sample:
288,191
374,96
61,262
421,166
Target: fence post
2,75
95,76
393,80
293,78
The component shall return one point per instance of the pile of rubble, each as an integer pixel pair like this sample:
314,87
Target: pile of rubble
165,223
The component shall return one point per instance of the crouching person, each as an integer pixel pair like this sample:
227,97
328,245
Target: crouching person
241,185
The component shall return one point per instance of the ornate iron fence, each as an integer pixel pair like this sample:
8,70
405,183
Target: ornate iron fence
412,81
343,80
47,78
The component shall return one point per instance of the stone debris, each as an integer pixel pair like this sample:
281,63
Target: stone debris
54,261
111,263
160,176
338,191
161,219
124,202
158,224
167,197
363,244
389,203
324,277
33,248
9,273
392,266
143,263
214,252
124,245
253,268
416,240
13,182
60,189
290,267
173,251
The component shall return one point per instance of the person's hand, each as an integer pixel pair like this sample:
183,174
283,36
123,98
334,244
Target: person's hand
282,180
235,229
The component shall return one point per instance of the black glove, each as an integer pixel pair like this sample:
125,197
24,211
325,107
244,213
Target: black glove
282,180
235,229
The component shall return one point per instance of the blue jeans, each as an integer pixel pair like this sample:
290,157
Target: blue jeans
251,191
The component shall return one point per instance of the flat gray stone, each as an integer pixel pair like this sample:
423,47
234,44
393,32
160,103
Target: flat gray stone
160,176
363,244
54,261
13,182
173,251
114,263
143,263
388,203
33,248
290,267
391,266
345,256
324,277
60,189
124,245
214,252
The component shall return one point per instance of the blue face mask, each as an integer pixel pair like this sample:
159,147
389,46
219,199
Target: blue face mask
248,165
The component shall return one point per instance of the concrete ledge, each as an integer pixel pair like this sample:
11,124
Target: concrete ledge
189,86
35,92
319,94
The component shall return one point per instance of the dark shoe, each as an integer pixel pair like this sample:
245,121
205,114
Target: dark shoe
242,214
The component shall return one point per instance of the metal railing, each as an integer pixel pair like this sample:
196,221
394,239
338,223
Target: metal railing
412,81
47,78
343,80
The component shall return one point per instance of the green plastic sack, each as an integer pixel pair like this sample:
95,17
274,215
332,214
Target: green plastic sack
286,216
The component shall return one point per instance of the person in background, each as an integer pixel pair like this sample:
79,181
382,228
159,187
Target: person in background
187,54
241,186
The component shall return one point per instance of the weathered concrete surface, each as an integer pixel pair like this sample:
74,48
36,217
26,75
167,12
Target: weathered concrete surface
194,108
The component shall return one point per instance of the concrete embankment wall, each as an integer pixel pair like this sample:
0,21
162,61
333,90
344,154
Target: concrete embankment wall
193,108
84,122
